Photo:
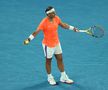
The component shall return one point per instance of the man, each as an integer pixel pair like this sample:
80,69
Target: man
51,44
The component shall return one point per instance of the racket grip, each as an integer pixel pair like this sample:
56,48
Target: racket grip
82,30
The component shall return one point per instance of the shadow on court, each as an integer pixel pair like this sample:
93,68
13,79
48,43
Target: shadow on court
60,86
39,86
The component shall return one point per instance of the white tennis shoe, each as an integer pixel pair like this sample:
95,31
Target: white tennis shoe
51,80
65,79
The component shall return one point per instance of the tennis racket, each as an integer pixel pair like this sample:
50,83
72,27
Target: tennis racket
94,31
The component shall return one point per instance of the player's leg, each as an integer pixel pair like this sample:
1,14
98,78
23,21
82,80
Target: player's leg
59,62
59,58
48,55
58,54
48,65
48,69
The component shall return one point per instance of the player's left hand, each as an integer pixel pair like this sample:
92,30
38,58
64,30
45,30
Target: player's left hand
76,30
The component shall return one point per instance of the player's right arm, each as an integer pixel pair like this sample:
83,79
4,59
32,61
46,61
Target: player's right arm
31,37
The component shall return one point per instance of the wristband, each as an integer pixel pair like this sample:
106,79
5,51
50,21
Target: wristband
31,37
71,27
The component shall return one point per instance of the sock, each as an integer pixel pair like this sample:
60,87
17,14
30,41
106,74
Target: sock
63,74
50,76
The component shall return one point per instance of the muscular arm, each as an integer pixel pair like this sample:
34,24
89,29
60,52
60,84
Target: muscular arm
26,42
36,32
64,25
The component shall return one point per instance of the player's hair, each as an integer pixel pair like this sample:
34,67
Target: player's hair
48,8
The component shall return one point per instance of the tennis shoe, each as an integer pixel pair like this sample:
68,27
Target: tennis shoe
51,80
65,79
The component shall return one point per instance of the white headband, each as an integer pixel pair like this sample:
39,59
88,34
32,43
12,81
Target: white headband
50,11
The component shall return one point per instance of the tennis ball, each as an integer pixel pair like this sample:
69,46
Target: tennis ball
26,42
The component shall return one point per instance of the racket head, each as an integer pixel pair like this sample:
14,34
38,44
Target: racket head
96,31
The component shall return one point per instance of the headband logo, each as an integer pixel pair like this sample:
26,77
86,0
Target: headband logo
50,11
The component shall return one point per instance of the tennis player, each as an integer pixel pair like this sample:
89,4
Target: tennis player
51,44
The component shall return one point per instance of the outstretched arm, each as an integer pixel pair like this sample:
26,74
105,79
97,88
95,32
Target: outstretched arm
66,26
31,37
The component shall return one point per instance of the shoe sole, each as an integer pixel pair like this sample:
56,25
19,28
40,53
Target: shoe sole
67,82
53,84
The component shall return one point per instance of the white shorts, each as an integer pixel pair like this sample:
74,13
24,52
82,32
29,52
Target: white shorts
49,52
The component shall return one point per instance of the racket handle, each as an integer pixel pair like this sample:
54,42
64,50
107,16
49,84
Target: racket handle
82,30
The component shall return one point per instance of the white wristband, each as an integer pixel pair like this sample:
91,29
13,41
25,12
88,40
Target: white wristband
31,37
71,27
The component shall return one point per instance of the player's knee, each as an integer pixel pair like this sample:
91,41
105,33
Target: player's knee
59,57
48,60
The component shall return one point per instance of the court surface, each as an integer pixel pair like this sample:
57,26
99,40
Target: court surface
85,58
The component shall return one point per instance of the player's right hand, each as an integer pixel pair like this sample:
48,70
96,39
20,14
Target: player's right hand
26,42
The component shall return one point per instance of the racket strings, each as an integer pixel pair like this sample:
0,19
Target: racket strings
97,31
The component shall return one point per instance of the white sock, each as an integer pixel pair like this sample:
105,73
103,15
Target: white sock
50,76
63,73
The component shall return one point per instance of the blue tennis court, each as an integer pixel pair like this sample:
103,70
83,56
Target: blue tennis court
85,58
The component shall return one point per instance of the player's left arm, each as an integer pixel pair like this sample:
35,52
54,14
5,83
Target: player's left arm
66,26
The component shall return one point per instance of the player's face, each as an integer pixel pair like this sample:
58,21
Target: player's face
51,15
